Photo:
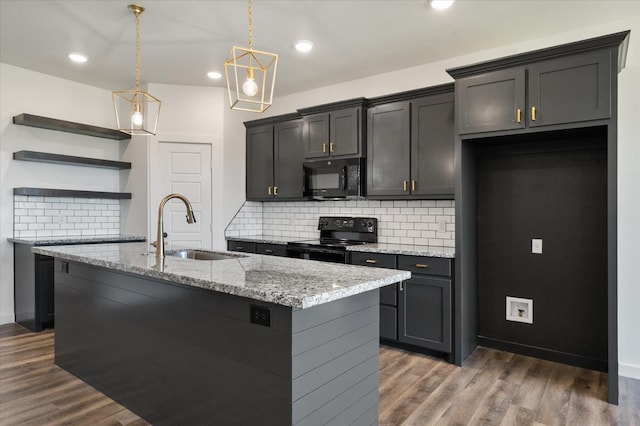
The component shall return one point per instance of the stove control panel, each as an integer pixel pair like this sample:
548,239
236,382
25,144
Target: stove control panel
348,224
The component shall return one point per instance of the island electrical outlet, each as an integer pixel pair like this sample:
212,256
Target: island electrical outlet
260,315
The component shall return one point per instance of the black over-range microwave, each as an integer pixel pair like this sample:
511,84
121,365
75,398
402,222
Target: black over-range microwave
331,179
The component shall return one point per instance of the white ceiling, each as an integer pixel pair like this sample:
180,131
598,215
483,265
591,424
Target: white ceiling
183,40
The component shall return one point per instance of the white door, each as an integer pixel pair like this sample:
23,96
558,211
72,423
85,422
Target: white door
185,168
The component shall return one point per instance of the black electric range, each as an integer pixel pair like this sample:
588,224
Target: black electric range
336,233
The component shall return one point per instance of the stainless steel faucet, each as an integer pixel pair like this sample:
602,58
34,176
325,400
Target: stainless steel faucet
191,218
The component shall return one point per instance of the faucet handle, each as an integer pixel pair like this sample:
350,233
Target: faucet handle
155,243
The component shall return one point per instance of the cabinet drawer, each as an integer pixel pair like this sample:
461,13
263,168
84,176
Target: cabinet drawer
379,260
271,249
425,265
245,246
389,295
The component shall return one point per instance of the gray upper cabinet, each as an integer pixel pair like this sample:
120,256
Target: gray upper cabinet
569,90
410,148
334,130
432,146
332,134
274,161
260,163
565,90
388,149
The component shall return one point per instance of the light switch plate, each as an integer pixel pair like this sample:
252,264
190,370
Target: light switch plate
536,246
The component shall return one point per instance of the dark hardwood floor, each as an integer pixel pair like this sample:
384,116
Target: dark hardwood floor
493,388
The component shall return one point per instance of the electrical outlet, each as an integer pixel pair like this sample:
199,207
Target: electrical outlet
260,315
536,246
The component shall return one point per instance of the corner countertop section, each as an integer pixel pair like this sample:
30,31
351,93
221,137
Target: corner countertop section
88,239
406,249
296,283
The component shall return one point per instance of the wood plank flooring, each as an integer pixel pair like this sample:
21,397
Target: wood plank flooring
493,388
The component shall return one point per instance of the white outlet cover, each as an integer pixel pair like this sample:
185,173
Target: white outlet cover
536,246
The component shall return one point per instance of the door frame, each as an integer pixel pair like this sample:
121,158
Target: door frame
154,192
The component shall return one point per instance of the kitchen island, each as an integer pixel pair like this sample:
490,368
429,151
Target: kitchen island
248,340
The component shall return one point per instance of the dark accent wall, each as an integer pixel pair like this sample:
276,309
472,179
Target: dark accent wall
551,186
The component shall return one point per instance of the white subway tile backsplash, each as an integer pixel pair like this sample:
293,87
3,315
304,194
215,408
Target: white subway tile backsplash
421,222
43,217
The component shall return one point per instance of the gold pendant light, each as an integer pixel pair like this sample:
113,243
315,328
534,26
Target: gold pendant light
136,111
251,76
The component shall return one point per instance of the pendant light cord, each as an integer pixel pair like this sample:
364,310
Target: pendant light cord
137,15
250,26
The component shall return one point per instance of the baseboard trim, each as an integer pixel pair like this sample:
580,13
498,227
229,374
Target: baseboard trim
544,353
629,370
7,318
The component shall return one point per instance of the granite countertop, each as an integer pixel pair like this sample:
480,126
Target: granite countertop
268,239
296,283
406,249
87,239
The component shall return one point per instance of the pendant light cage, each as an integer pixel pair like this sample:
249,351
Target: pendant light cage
137,111
251,75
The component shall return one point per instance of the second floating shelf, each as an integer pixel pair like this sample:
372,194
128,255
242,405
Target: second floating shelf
45,157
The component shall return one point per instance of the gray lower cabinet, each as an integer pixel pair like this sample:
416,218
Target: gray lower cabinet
33,288
557,91
243,246
268,249
417,311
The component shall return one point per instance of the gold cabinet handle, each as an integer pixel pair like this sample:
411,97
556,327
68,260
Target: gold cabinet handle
331,147
324,148
404,185
519,115
421,265
239,248
401,287
268,251
371,261
413,184
275,190
533,113
269,190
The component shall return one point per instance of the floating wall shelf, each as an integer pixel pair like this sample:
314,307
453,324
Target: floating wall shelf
45,157
68,126
44,192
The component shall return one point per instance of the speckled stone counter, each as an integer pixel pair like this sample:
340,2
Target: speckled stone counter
406,249
89,239
295,283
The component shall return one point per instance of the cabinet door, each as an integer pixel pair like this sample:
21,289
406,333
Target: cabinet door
344,132
260,163
44,290
571,89
288,171
425,312
315,136
432,145
388,149
388,322
491,101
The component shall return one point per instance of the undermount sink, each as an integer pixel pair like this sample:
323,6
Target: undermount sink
201,254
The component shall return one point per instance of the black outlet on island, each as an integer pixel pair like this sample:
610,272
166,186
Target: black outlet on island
260,315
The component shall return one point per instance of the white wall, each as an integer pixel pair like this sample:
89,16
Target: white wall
23,91
628,151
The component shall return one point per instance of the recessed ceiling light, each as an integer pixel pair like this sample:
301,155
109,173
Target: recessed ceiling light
441,4
304,45
78,57
214,75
